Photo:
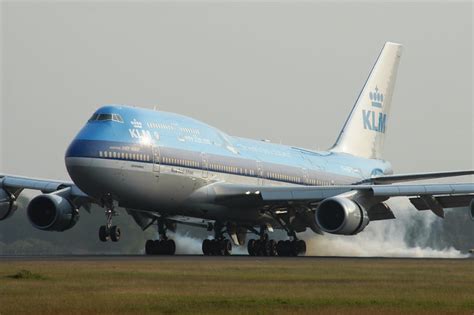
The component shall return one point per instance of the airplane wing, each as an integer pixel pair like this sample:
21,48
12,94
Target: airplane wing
11,186
390,179
434,197
13,182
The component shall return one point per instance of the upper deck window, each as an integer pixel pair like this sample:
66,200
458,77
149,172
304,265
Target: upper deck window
106,117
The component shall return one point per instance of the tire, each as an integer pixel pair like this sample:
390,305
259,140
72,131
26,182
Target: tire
266,250
220,247
171,247
288,248
149,248
294,248
115,233
157,247
103,235
279,248
272,248
301,247
227,247
206,247
251,247
260,248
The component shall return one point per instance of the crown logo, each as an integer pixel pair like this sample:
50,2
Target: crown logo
136,124
376,98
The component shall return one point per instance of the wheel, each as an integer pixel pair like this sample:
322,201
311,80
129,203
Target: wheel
227,248
259,248
157,247
284,248
220,247
149,247
301,247
251,247
279,248
103,235
271,248
294,248
206,247
170,247
266,250
115,233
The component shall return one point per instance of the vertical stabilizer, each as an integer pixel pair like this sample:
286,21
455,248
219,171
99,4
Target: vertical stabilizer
363,133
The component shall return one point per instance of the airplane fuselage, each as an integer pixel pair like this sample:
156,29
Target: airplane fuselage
154,161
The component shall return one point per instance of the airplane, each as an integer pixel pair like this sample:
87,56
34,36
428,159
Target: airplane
167,169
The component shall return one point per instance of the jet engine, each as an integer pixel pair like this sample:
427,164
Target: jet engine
50,212
7,205
340,215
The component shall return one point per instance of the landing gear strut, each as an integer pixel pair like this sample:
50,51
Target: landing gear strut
219,246
109,231
162,246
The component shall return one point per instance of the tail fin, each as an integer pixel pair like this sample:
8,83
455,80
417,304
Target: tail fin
364,130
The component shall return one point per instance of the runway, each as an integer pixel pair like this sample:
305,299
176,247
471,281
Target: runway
200,258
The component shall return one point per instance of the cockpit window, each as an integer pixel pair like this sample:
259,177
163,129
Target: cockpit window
105,117
117,117
94,117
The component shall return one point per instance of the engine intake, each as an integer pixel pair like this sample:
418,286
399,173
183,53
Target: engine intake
51,212
339,215
7,205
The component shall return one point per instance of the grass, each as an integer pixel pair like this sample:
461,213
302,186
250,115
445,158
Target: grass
26,274
238,286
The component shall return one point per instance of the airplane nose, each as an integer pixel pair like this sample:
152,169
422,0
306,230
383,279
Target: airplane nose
78,162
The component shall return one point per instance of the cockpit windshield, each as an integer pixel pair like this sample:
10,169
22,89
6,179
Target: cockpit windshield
106,117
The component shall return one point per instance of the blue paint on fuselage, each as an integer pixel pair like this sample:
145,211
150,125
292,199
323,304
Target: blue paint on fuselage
180,132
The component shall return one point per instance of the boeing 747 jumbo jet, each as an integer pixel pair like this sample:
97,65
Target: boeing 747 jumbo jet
166,169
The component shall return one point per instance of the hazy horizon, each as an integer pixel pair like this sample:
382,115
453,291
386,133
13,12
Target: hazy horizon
284,71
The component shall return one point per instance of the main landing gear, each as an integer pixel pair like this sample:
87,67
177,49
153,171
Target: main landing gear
219,246
162,246
109,231
267,247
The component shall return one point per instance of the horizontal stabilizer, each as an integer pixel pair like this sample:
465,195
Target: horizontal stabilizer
389,179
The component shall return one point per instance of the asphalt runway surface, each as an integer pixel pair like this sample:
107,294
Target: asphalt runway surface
202,258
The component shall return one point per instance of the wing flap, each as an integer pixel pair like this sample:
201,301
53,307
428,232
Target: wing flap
457,201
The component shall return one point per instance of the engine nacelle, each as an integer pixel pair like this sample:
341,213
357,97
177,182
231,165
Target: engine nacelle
7,205
339,215
51,212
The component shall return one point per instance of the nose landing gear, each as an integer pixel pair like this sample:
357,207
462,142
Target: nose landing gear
109,231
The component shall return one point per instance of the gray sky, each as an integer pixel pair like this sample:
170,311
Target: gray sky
284,71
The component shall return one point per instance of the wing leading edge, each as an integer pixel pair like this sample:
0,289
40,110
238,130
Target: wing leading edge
435,197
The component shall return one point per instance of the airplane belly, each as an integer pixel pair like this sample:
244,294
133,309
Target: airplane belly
134,184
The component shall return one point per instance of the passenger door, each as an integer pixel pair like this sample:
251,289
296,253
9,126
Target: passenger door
156,159
205,165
